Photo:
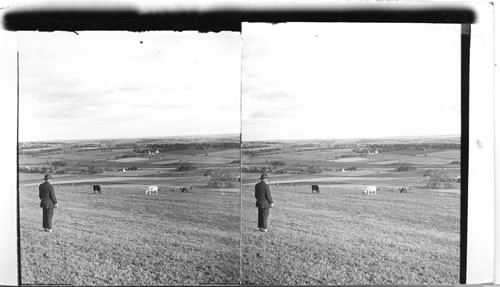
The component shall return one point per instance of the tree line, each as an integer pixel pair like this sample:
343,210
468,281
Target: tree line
168,147
405,146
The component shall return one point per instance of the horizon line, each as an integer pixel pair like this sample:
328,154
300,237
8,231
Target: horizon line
132,138
358,138
237,134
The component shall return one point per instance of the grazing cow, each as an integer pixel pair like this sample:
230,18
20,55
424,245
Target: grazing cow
370,189
97,188
403,189
152,189
315,188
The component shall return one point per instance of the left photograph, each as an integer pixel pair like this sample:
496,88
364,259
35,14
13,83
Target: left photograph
129,158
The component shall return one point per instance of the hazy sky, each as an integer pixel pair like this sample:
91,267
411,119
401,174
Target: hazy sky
335,80
299,81
109,85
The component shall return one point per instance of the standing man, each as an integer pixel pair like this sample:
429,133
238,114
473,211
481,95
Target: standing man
264,201
48,202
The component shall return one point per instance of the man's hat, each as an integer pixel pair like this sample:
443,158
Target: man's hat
263,176
48,176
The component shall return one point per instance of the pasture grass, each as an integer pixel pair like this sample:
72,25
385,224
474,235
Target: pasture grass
124,237
344,237
448,154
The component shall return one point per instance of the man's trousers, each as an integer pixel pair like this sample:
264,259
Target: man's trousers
48,213
262,220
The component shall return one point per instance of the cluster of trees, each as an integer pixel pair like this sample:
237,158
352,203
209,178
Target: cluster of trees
266,169
41,152
304,145
186,166
352,168
442,179
255,169
57,163
94,169
439,175
308,169
329,147
54,168
405,146
138,149
260,144
124,145
223,175
167,147
364,150
405,167
313,169
276,163
264,151
244,146
124,156
44,170
424,146
345,156
35,169
35,145
85,145
341,146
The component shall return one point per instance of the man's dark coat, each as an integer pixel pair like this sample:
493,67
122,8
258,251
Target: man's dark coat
47,195
263,195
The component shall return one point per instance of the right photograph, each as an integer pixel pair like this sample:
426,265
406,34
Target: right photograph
350,153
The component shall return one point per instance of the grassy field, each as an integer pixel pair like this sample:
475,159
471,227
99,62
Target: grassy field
123,237
343,237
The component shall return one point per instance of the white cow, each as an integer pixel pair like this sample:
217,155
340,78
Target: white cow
151,189
370,189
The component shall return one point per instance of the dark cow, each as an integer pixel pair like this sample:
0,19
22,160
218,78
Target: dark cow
184,189
403,189
97,188
315,188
